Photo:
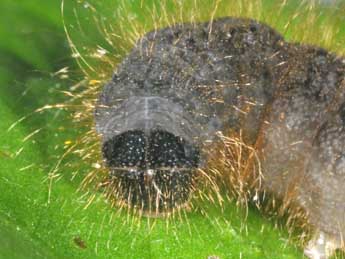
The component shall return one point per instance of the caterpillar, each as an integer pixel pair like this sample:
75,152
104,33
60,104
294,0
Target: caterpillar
182,86
224,106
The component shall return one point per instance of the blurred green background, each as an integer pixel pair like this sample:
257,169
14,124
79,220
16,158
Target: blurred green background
33,46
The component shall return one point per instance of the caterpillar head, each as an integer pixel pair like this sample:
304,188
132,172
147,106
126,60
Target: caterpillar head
150,157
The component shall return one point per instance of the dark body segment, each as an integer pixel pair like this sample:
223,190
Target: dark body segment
322,188
310,92
236,75
302,144
210,80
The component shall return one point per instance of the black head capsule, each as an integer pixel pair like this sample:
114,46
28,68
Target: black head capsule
149,154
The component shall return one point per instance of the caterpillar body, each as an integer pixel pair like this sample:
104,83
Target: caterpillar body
277,109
